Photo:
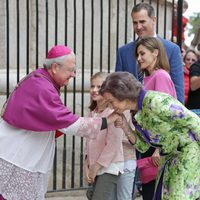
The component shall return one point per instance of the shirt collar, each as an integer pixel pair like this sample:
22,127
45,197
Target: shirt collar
140,98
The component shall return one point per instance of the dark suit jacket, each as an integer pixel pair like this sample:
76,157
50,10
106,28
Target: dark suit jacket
126,62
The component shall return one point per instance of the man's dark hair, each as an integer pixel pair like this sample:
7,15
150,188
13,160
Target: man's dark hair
144,6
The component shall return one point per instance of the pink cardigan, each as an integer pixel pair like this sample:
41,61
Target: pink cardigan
107,147
160,81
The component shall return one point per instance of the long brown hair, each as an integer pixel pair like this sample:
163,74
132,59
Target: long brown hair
152,43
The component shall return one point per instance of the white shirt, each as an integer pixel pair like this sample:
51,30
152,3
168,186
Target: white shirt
113,168
30,150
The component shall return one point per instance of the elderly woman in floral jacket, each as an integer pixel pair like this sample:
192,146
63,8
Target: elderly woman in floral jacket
162,122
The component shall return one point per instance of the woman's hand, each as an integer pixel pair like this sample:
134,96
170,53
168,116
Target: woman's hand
121,122
124,125
156,158
112,117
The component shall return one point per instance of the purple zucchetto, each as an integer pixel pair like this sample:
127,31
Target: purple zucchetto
58,51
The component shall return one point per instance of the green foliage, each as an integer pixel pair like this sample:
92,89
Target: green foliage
194,21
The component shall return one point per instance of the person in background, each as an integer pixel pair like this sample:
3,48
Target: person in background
152,60
184,22
163,122
29,120
189,58
103,155
144,22
194,92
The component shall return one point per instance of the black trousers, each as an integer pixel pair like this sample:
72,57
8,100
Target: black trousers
148,188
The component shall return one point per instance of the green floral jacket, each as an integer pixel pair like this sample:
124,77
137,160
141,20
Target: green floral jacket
168,125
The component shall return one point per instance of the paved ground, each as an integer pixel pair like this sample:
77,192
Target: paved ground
72,195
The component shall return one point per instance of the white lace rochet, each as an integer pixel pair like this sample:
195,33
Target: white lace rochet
20,184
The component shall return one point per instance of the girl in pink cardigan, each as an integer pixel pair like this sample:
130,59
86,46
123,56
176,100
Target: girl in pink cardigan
103,155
